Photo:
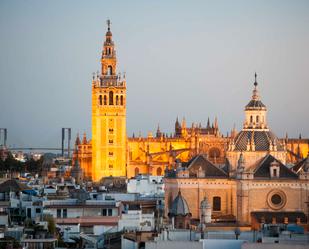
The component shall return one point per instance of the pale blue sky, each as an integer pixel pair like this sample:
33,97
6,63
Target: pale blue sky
182,58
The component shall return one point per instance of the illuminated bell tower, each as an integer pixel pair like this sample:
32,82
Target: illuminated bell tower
108,116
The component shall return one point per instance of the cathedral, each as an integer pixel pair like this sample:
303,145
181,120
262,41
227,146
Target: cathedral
253,187
111,152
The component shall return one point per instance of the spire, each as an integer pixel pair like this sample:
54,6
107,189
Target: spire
159,133
77,140
183,123
84,138
108,33
255,95
208,123
216,123
177,124
108,24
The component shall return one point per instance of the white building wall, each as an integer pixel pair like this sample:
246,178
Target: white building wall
146,185
136,220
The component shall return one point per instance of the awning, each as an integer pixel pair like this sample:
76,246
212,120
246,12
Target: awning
280,217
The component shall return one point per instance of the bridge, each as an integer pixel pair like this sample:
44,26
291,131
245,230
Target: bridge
64,131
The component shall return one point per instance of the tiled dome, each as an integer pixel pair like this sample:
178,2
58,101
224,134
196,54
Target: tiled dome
255,104
263,140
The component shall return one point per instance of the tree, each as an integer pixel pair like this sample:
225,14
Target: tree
51,224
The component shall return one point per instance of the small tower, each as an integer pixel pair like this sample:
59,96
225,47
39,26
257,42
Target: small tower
205,211
255,111
180,213
77,172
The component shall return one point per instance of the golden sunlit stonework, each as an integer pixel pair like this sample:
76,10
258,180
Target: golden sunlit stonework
112,153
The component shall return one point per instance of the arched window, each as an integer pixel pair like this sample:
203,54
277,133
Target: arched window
109,51
159,171
117,100
257,119
109,70
100,99
111,98
214,153
216,206
251,119
105,100
136,171
121,100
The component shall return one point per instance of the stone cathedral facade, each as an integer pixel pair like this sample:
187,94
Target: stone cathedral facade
110,152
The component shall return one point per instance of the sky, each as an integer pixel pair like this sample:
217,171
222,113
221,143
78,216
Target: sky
192,59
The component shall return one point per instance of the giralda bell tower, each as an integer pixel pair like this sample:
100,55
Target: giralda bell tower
109,136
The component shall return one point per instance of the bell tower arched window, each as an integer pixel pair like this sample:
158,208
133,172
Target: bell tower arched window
100,99
251,119
111,98
121,100
109,70
257,119
117,100
105,100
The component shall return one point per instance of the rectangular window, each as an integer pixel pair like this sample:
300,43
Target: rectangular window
37,210
58,213
111,130
110,166
104,213
275,172
216,203
29,212
111,141
110,212
65,213
110,153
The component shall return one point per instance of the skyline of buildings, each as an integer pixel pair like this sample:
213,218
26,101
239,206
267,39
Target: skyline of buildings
229,79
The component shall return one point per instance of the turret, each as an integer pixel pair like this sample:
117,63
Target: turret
255,111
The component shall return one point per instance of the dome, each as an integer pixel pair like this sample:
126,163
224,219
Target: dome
255,104
263,140
179,206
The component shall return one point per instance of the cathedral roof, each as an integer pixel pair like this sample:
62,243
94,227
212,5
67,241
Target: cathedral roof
179,206
302,165
262,169
201,162
263,140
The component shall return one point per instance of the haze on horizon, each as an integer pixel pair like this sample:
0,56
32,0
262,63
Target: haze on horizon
187,59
